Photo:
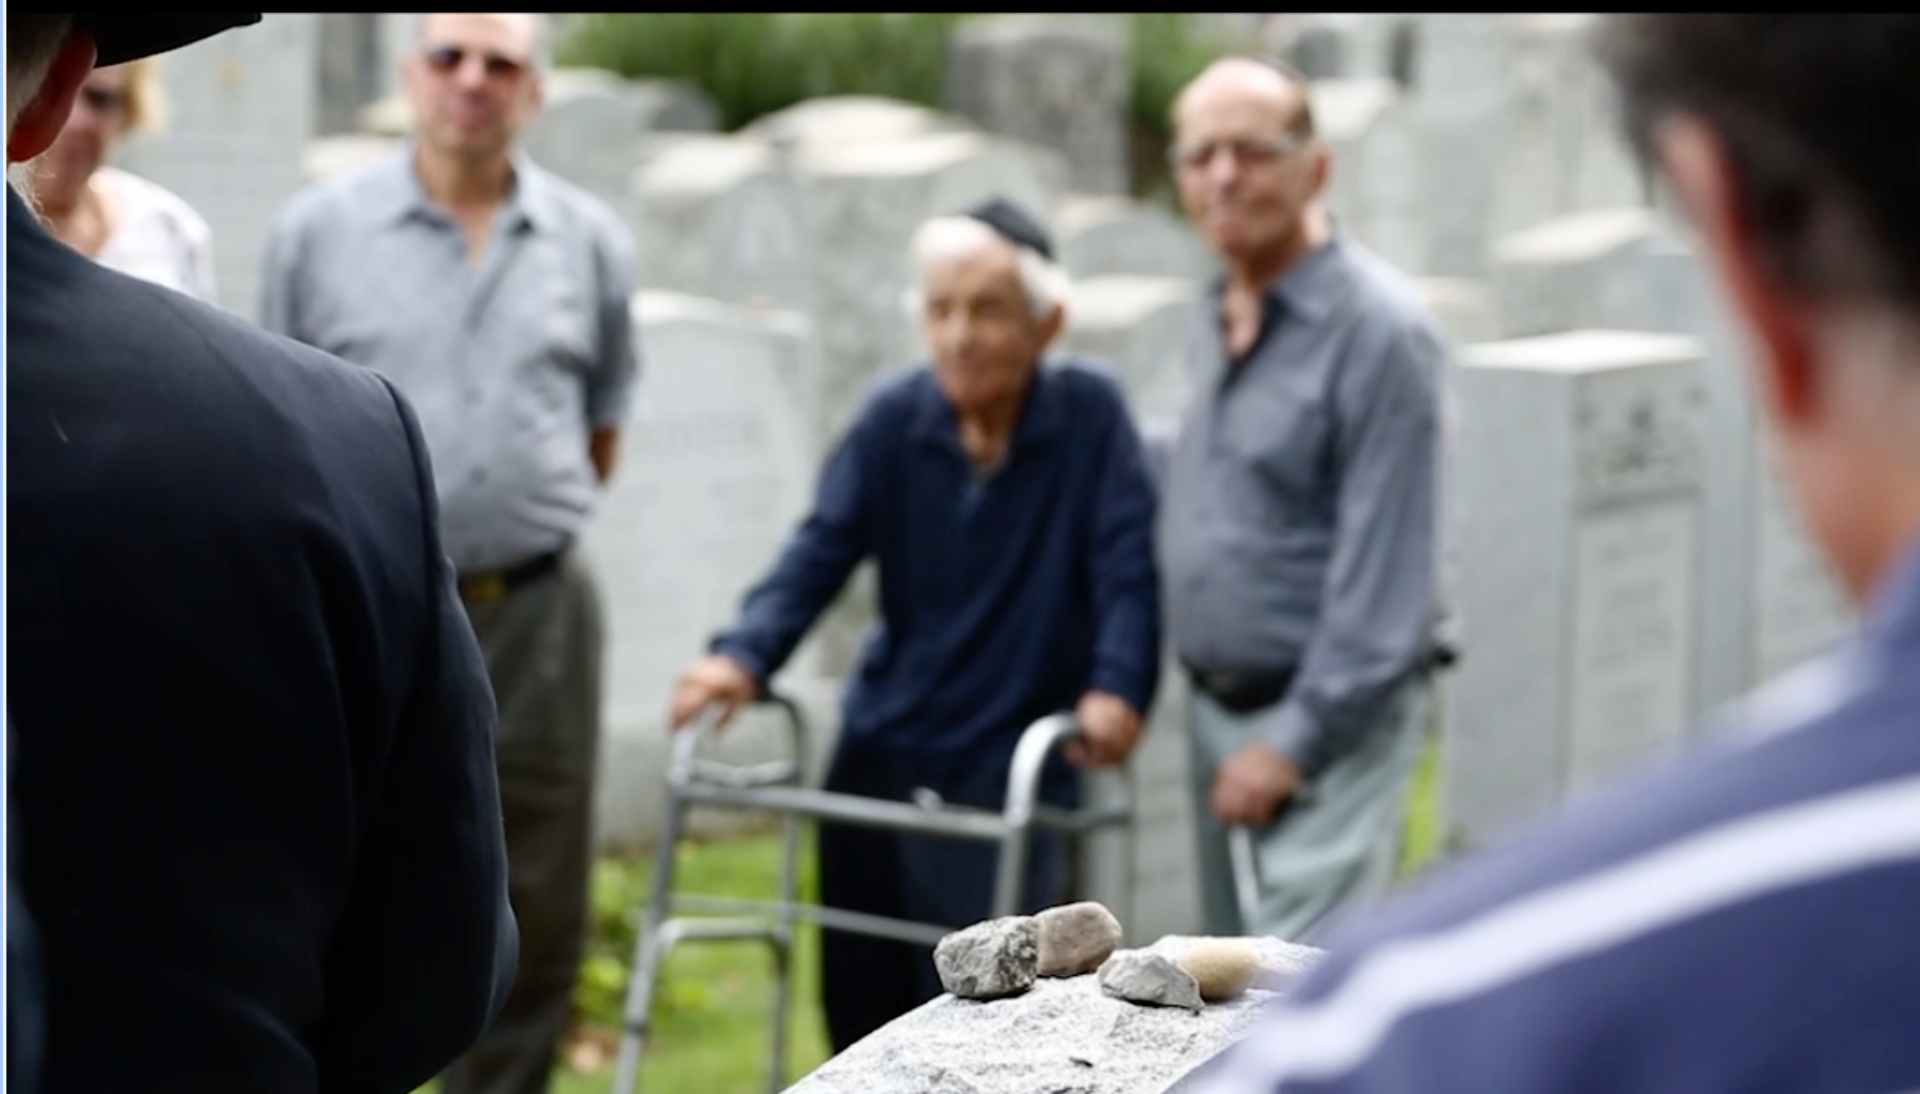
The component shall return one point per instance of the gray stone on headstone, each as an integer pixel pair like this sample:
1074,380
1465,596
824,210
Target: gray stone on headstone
593,123
716,469
1378,191
1063,81
1100,234
1140,327
242,111
1580,478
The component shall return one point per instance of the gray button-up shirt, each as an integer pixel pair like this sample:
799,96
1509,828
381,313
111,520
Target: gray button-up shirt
1298,526
510,366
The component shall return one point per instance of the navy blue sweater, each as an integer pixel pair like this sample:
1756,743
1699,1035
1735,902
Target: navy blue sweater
1002,600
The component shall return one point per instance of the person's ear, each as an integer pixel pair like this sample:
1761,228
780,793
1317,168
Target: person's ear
42,117
1778,322
1053,324
1322,168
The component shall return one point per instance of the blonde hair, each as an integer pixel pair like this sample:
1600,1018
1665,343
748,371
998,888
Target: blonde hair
146,99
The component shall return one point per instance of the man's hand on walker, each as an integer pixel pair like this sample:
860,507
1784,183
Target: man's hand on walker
714,680
1109,730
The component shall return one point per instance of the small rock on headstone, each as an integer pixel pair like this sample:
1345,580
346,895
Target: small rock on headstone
1222,967
992,959
1076,938
1143,976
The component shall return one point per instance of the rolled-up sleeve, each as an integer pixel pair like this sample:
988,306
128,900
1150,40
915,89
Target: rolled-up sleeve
1126,659
610,385
1377,614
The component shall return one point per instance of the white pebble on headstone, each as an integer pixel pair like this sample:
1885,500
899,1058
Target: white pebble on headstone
1143,976
1076,938
989,960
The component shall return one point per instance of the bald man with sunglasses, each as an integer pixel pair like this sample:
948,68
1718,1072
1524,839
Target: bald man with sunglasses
495,295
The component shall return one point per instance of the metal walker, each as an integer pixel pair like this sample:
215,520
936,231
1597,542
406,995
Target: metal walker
777,787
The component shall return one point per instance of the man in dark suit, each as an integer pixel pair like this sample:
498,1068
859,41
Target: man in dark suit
259,826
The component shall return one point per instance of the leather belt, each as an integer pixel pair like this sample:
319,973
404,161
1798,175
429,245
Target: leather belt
482,588
1243,691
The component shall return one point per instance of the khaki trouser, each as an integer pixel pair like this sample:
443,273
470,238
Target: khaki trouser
543,643
1337,846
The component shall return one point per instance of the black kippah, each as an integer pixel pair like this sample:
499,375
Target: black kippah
1010,221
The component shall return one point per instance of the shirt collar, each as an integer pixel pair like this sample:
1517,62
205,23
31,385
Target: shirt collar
1042,417
398,193
1311,288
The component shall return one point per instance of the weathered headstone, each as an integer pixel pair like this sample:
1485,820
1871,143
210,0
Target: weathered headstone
1059,80
1378,190
1138,326
349,73
1101,234
716,468
1586,269
1458,91
242,106
721,216
841,120
1580,480
593,123
1768,601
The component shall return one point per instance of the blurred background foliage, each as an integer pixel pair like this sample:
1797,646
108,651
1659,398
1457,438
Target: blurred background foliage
754,63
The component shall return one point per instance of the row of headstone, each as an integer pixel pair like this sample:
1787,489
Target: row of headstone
1671,576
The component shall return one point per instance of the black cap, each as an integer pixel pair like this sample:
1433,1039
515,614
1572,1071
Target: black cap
128,35
1014,224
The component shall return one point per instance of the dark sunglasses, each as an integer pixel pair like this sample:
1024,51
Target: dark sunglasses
103,100
449,58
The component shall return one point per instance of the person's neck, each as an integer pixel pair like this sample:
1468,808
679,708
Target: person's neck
463,184
986,430
1249,274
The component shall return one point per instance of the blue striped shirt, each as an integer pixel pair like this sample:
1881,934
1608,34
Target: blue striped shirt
1740,920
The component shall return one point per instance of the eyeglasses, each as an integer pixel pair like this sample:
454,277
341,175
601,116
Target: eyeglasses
1246,151
499,66
104,100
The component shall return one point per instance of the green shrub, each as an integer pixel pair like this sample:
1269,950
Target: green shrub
752,64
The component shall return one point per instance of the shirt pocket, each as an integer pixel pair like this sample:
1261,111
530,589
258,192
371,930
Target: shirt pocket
1280,440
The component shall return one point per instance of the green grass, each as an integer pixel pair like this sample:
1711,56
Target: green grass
713,1003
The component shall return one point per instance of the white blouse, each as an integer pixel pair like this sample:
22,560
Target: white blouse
157,236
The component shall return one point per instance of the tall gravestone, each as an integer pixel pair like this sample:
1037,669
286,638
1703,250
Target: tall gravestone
716,469
1063,81
1378,192
1561,150
1580,481
1459,87
242,110
349,73
1768,601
